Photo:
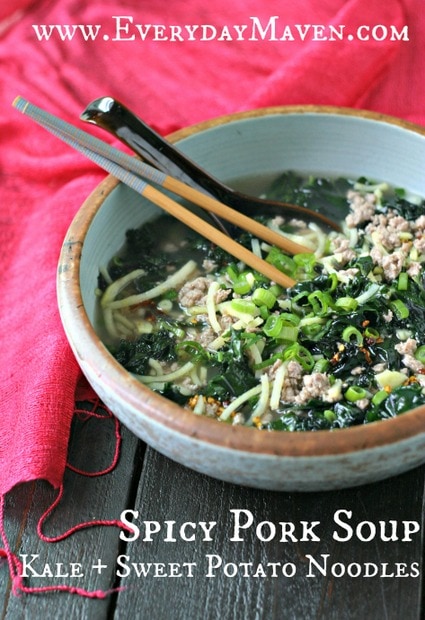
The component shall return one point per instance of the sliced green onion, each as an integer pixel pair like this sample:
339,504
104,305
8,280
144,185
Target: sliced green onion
370,332
329,415
355,393
165,305
312,320
321,365
281,261
244,306
379,397
290,317
312,325
273,326
268,362
288,333
403,281
400,309
320,302
311,331
241,286
301,299
170,327
282,326
300,354
263,297
117,261
306,262
420,354
349,304
352,332
304,259
232,272
276,290
264,312
333,282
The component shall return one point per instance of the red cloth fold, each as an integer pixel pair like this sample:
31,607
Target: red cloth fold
170,83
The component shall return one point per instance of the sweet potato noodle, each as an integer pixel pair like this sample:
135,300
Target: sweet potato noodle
344,346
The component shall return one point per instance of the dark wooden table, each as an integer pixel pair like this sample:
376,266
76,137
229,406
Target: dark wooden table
257,578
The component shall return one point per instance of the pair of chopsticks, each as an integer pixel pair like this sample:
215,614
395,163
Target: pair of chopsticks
129,170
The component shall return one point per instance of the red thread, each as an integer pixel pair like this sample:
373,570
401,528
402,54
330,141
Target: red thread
75,528
95,523
15,565
15,571
84,413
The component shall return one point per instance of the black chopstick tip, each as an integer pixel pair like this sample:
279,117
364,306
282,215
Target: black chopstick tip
96,108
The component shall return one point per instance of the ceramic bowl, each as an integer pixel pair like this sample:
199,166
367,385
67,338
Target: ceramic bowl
306,139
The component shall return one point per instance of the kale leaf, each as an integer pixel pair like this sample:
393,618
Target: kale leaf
327,196
408,210
134,355
401,399
232,373
140,251
233,378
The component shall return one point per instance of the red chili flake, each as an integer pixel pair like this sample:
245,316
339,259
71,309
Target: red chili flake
413,379
366,353
335,358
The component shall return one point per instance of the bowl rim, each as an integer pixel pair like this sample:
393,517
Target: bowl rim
96,361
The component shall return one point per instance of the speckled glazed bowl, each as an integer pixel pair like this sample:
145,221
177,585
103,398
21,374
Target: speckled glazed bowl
309,139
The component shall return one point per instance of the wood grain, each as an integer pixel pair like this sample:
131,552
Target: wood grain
161,490
184,496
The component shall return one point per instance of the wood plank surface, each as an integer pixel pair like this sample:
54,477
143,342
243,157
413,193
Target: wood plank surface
85,498
249,583
171,492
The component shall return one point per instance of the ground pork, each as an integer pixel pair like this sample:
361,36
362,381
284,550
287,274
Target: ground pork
414,269
292,382
194,293
390,231
347,273
342,251
362,208
407,350
314,386
419,224
206,334
408,347
419,244
391,264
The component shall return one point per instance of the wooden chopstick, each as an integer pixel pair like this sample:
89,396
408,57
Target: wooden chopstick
122,166
166,181
231,215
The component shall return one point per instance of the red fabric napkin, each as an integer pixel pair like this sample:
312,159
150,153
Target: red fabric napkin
170,83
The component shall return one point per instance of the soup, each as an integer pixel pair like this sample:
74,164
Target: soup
342,347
